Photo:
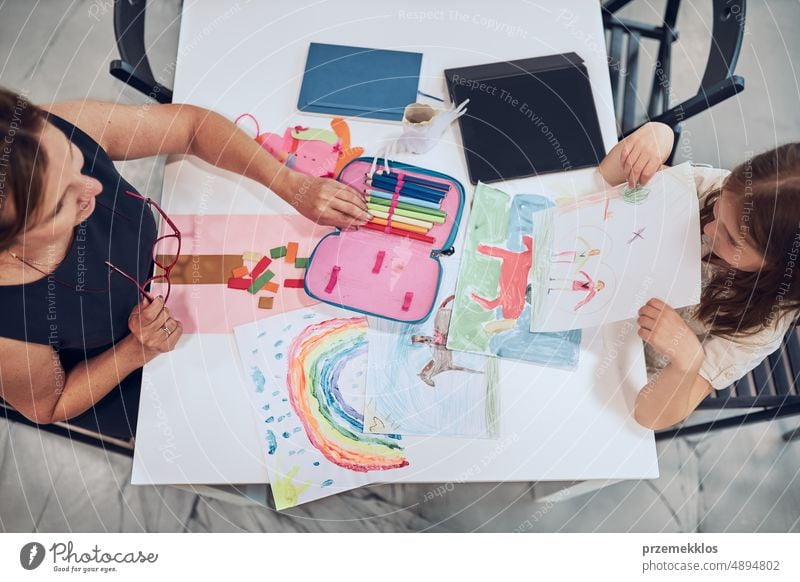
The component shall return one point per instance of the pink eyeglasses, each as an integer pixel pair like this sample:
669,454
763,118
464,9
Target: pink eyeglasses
167,245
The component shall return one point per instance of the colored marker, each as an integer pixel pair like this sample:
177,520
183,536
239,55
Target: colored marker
400,225
403,219
407,206
407,213
416,180
406,190
401,198
405,233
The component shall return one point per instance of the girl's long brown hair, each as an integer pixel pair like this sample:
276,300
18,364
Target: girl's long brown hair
766,190
22,164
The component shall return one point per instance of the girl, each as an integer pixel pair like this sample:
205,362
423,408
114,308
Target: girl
750,220
72,330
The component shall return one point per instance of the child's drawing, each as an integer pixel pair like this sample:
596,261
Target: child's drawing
513,279
585,285
631,262
417,386
577,258
636,234
441,358
307,370
492,308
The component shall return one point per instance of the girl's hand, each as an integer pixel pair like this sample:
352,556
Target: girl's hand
325,201
666,331
148,322
644,151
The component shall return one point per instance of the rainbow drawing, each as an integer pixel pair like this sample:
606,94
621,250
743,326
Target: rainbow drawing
316,359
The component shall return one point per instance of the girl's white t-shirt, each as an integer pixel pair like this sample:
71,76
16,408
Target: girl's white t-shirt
726,359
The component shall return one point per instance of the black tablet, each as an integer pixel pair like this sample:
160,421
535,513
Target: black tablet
527,117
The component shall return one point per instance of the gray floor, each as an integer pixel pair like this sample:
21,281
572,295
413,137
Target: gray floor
736,480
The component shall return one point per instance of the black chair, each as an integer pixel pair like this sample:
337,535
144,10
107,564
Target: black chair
133,68
718,83
768,392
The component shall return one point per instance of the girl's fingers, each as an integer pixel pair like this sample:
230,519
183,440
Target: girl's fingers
650,170
646,323
630,168
649,311
625,152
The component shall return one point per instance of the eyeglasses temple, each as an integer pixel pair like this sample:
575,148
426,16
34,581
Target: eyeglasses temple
131,279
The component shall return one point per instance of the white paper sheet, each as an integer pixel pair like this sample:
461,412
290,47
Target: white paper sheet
307,371
599,258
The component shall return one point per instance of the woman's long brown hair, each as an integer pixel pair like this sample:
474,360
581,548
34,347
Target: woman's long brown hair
22,164
766,191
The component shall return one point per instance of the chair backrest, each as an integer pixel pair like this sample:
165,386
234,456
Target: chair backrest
726,41
129,32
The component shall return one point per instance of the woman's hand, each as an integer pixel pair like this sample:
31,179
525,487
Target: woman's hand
148,322
325,201
666,331
643,152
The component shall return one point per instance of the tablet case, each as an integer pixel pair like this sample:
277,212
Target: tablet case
381,274
527,117
359,82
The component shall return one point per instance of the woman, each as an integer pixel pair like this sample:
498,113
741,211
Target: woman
72,329
750,221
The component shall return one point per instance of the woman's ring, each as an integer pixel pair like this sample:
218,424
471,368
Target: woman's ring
166,330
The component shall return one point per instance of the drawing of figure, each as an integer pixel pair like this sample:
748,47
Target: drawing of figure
513,279
588,285
442,358
579,258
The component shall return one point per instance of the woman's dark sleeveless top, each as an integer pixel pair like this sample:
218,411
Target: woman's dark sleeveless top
82,308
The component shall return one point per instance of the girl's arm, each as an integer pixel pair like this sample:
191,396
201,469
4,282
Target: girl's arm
676,390
129,132
639,156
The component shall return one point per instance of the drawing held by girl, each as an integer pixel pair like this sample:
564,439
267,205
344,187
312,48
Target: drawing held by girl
750,220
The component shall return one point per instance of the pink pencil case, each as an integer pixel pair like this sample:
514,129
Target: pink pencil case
376,270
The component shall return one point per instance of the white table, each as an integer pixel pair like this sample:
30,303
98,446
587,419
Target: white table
195,422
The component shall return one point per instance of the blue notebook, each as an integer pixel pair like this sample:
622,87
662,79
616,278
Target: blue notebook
359,82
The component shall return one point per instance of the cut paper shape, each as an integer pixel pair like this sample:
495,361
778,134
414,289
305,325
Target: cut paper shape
262,280
652,256
265,302
240,272
199,269
277,252
301,263
201,299
272,287
291,252
293,283
311,151
260,267
309,404
492,306
252,256
239,283
417,386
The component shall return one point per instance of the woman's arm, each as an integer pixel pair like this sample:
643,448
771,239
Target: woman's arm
676,390
129,132
639,156
37,386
